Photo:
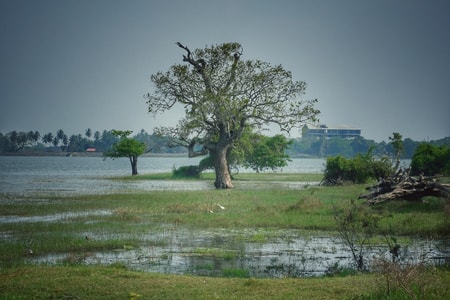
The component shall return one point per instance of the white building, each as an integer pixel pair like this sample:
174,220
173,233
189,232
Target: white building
329,132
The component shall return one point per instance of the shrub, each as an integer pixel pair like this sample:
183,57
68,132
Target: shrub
359,169
186,171
431,160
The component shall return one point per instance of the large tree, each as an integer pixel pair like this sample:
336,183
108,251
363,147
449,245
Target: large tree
126,147
222,95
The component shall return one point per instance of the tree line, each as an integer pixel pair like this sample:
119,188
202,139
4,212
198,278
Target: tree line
33,141
323,147
59,141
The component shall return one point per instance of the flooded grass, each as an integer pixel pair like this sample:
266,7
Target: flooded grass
240,234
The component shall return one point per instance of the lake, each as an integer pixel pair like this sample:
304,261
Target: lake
93,175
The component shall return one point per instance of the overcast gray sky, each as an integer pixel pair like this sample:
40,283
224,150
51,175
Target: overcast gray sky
381,66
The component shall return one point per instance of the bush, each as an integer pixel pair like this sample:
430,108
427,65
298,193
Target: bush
431,160
359,169
186,172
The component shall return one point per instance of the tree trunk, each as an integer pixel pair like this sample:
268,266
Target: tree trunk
223,177
133,161
404,187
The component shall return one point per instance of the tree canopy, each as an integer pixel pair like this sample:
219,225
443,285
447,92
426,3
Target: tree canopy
222,95
430,160
126,147
267,153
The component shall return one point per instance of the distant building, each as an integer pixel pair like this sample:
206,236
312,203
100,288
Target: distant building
329,132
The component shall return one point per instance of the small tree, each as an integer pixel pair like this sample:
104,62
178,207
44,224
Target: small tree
397,144
126,147
356,225
268,153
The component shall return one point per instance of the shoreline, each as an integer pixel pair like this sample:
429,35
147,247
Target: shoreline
84,154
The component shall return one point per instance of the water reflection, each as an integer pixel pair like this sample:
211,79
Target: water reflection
283,253
53,217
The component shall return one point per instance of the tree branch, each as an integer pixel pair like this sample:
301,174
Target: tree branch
198,64
233,70
193,153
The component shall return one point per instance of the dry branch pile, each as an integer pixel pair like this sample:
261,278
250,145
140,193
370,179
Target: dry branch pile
403,186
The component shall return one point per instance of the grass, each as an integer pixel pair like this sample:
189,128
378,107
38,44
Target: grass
264,177
129,217
116,282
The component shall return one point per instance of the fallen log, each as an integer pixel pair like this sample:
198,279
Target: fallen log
401,186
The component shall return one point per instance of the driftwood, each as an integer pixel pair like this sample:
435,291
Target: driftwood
405,187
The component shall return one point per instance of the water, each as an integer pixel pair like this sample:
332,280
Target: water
93,175
177,250
287,253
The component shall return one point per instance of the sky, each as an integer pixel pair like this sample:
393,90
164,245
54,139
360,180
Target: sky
379,65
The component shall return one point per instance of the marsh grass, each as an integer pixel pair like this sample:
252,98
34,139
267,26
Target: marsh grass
216,252
134,215
133,218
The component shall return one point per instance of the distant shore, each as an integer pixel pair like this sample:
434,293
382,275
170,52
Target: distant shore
82,154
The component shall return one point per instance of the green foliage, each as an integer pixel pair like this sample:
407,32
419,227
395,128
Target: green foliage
306,146
255,151
320,147
359,169
17,141
431,160
267,153
186,172
223,95
126,147
397,143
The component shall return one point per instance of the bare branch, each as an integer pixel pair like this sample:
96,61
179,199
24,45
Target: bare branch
198,64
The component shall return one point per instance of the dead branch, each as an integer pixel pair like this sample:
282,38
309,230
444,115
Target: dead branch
402,186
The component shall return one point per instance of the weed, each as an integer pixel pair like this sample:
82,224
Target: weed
215,252
410,280
206,266
337,270
75,258
355,226
239,273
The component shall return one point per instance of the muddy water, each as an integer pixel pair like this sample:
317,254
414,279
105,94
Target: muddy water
245,253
